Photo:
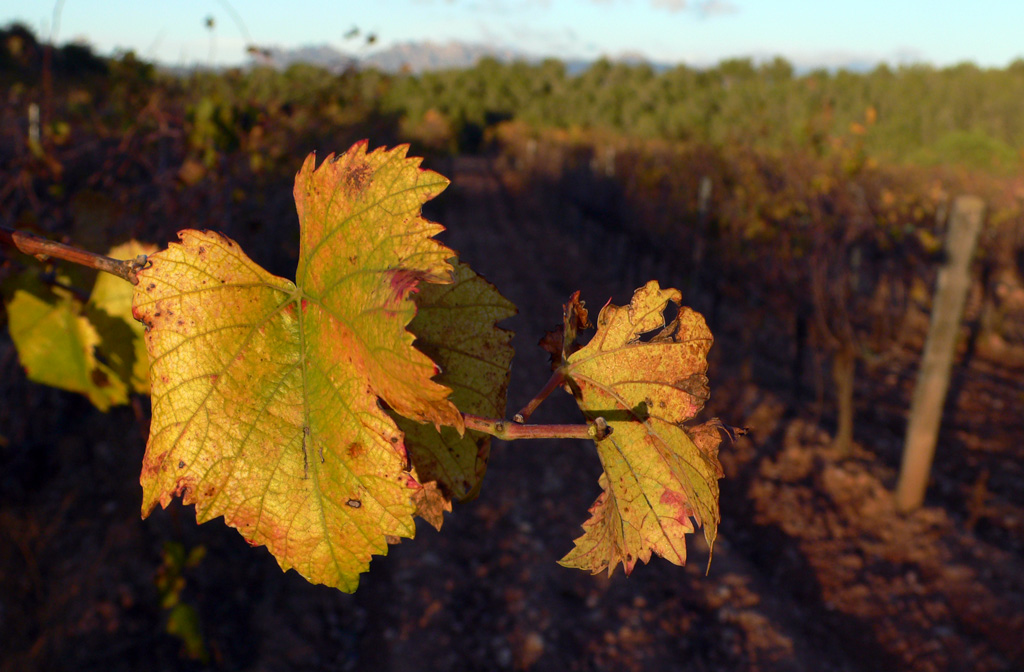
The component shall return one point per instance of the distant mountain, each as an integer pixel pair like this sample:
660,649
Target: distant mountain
407,56
420,57
323,56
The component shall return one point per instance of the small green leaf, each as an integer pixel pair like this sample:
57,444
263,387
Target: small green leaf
658,473
92,347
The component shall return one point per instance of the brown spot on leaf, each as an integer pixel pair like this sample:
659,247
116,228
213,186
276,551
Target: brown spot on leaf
99,379
181,464
152,466
358,175
183,487
354,503
404,281
695,385
356,449
677,501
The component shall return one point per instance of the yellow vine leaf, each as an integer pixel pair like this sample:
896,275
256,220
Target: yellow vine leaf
267,392
456,327
91,346
658,473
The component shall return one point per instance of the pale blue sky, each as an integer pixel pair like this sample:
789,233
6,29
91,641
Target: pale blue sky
699,32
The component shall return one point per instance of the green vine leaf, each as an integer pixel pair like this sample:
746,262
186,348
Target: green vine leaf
87,345
456,325
658,473
266,392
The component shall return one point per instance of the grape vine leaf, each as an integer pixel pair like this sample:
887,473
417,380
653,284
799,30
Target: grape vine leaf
456,326
87,345
266,392
658,473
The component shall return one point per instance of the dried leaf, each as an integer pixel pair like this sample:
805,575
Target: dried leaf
561,342
658,474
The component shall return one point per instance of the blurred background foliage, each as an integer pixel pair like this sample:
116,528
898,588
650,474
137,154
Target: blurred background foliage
817,179
854,171
802,212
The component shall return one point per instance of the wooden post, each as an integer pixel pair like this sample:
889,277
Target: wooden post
937,362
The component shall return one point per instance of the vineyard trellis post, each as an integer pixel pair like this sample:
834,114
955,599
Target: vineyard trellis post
937,361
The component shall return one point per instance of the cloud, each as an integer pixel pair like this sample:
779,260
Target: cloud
705,8
670,5
505,6
716,8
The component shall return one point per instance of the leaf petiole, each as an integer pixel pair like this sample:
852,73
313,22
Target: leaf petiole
511,431
556,380
42,248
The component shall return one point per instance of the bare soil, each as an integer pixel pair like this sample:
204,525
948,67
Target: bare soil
814,569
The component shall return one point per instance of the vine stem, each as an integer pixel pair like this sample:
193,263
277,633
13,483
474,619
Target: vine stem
42,249
554,382
511,431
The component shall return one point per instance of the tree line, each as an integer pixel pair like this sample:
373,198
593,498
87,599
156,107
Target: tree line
919,114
